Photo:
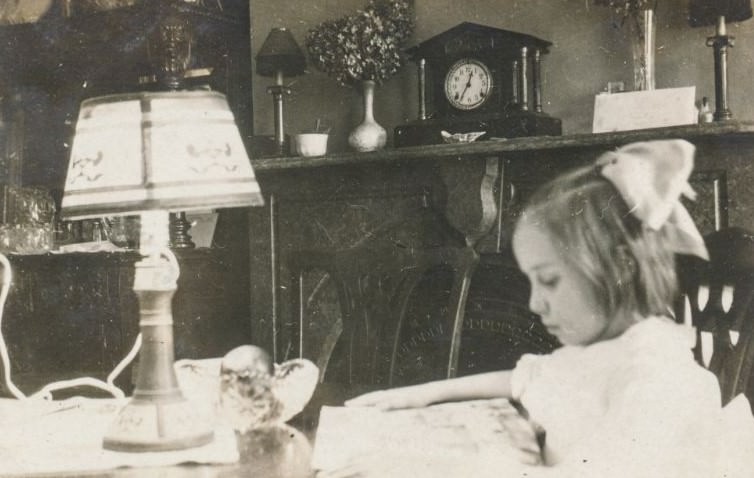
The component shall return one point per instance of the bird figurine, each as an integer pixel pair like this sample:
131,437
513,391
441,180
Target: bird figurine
255,392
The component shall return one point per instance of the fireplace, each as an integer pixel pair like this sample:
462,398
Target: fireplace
339,256
377,350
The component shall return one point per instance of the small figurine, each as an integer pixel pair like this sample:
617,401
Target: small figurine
255,392
705,114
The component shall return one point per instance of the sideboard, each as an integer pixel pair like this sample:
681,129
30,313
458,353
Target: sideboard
75,314
420,198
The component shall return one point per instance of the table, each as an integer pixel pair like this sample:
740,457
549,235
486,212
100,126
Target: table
286,451
278,452
281,452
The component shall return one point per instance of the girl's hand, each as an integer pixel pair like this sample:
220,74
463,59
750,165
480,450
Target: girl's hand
416,396
470,387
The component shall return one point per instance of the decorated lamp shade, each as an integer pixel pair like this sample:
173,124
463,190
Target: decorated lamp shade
707,12
168,151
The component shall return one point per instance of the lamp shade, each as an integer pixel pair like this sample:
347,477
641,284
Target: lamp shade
280,53
706,12
170,151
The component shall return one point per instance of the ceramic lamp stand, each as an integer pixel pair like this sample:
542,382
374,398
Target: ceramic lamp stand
158,417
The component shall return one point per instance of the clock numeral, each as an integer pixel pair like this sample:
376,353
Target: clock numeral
468,84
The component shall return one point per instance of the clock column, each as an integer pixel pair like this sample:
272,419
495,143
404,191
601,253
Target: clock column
523,81
537,78
422,66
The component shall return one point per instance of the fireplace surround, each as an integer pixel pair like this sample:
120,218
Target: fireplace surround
425,198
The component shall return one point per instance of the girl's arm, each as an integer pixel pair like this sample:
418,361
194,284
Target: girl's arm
484,385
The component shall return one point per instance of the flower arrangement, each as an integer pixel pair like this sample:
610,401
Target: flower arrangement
365,45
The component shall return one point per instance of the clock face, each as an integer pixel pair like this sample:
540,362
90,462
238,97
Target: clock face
468,84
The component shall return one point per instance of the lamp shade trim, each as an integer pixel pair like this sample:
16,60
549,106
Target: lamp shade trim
74,212
176,197
150,96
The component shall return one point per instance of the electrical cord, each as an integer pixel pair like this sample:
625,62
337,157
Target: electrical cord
46,391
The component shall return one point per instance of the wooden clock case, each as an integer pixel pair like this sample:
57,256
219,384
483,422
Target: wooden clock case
514,60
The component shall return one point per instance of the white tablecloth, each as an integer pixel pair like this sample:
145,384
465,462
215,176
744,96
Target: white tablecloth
66,436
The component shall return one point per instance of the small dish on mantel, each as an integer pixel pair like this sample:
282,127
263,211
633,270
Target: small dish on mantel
461,137
311,144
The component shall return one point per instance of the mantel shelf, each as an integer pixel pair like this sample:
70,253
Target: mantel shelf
726,130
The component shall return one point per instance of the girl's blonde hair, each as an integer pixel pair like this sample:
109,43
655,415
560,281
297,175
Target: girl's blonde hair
629,265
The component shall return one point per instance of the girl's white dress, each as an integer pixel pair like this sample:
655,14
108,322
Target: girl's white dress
634,406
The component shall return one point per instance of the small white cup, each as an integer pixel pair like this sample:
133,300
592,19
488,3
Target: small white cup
311,144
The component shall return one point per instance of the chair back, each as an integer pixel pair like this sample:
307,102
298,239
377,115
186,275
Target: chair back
717,300
374,287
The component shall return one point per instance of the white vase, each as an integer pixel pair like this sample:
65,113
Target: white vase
369,135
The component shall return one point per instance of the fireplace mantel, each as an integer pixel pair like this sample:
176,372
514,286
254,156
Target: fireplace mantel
722,131
448,195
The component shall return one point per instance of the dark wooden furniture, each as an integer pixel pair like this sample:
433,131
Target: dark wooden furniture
511,65
449,195
47,68
719,295
374,288
71,315
76,313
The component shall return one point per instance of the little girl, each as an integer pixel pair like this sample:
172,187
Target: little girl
623,397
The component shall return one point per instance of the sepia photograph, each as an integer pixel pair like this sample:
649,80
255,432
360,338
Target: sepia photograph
377,238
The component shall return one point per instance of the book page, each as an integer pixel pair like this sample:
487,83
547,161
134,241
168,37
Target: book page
459,428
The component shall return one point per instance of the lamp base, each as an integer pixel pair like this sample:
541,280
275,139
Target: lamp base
144,425
158,417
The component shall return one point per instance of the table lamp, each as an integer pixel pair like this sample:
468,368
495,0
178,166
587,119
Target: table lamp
278,57
152,154
718,12
169,50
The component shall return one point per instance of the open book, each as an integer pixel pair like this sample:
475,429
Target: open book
460,429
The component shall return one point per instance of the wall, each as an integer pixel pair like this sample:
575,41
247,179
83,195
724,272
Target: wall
588,52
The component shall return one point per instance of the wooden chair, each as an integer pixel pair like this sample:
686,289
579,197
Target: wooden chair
718,299
374,288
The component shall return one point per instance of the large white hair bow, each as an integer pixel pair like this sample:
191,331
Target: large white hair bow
651,177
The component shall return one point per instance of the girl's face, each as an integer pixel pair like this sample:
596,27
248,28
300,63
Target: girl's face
560,295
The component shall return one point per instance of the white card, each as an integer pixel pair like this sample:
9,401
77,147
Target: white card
644,109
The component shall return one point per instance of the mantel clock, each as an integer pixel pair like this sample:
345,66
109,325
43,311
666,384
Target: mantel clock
477,78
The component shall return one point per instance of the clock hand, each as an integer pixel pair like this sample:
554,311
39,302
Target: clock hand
468,85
